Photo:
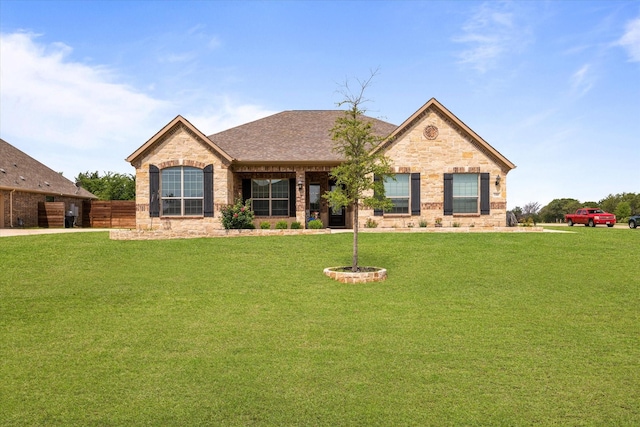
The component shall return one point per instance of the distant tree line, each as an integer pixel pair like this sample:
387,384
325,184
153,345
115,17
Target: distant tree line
622,205
117,186
110,186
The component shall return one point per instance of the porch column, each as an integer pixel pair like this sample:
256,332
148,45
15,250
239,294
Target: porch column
300,195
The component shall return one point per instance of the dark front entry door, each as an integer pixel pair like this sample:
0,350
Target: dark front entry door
336,217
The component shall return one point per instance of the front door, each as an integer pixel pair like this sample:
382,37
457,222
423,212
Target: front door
336,217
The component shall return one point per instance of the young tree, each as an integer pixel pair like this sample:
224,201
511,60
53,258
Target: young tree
360,177
530,210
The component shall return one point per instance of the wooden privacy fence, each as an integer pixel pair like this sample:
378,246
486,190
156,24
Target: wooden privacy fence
109,214
51,214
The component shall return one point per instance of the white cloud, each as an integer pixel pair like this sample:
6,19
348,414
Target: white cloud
491,34
631,40
48,97
76,117
582,80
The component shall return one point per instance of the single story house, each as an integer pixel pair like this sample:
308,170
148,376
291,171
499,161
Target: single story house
444,172
25,183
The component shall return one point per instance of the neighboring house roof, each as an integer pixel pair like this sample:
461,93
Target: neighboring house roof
20,172
476,139
290,136
173,125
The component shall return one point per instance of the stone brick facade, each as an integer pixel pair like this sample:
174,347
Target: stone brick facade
432,142
182,147
448,148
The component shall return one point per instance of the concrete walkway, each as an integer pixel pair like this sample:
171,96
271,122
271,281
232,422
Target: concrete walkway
8,232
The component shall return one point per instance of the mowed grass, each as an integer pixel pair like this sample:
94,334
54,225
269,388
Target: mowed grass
469,329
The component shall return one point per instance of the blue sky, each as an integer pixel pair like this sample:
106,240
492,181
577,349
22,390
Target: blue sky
553,85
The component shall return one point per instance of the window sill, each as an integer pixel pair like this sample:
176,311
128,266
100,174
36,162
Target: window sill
390,215
181,217
468,215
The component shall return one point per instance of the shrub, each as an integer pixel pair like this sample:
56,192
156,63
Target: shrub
370,223
296,225
238,215
456,224
423,223
528,222
282,225
315,224
265,225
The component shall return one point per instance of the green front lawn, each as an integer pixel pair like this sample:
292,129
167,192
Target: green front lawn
469,329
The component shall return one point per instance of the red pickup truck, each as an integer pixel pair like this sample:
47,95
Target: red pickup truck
590,217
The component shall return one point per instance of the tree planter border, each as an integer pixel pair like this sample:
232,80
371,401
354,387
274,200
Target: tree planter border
336,273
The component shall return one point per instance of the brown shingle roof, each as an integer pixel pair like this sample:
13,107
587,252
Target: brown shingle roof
24,173
289,136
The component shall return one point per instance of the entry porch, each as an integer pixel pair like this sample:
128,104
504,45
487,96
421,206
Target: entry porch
292,194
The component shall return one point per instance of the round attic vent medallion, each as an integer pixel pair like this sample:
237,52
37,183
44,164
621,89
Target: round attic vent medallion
431,132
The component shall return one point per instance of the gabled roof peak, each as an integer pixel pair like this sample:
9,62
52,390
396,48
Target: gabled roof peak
177,121
435,104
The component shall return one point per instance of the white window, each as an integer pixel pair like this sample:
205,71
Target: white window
398,190
270,197
182,191
465,193
314,197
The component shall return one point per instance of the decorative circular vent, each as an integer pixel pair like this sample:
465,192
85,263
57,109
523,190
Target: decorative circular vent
431,132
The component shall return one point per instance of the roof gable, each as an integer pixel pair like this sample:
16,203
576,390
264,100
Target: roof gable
22,172
179,121
475,139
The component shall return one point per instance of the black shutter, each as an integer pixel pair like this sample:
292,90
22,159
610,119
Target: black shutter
376,212
448,194
415,193
154,191
246,190
208,190
292,197
484,194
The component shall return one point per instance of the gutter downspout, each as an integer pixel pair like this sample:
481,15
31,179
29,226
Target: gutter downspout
11,207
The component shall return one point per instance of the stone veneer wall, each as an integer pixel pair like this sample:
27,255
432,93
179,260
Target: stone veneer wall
163,234
25,207
452,150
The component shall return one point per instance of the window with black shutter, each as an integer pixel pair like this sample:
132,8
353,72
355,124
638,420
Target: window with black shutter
377,212
485,206
182,191
208,190
448,194
154,191
415,193
466,193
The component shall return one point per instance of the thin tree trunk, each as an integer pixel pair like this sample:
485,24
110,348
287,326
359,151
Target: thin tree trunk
354,266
